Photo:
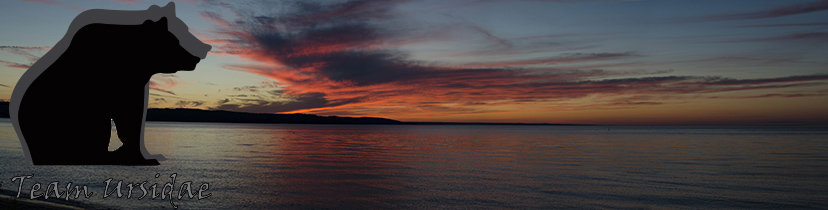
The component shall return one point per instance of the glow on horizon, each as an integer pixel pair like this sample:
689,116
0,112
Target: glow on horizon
584,62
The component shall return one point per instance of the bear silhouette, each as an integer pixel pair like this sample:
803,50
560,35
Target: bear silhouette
63,106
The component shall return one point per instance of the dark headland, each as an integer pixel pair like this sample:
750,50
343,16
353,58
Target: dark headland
4,109
198,115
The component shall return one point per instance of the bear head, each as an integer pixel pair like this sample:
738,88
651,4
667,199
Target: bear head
163,47
172,41
181,32
162,43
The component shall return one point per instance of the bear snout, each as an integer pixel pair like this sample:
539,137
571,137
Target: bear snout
205,48
190,63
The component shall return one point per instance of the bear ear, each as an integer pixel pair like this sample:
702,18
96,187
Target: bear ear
169,9
161,24
153,8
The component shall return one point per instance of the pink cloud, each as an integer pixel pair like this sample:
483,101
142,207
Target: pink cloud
47,2
333,59
57,3
163,83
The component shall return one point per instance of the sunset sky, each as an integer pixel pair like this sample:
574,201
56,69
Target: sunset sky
612,62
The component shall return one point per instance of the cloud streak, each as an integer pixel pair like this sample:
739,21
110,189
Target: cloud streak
804,36
57,3
334,58
15,65
788,25
781,11
162,83
26,52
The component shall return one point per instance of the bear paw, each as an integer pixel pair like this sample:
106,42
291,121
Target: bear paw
127,157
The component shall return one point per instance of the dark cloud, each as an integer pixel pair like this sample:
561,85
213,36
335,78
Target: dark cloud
563,58
306,101
772,95
334,41
276,92
157,96
729,81
642,85
781,11
163,82
789,24
29,53
692,84
626,102
6,86
309,13
184,104
327,55
745,61
501,41
249,88
528,45
805,36
157,100
361,67
163,91
155,86
16,65
330,41
25,51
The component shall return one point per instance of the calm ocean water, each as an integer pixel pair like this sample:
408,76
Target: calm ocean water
258,166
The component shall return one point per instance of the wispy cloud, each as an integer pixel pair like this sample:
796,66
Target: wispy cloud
789,24
162,83
781,11
25,47
57,3
47,2
771,95
334,58
186,104
804,36
563,59
729,81
15,65
32,54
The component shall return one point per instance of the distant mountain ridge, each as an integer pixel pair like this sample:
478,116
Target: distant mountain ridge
198,115
4,109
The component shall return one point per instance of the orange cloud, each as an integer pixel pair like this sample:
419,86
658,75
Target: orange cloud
334,59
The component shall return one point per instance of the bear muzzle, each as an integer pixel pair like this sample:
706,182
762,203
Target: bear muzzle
190,63
186,64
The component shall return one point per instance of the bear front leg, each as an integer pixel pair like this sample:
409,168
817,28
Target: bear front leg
128,127
128,115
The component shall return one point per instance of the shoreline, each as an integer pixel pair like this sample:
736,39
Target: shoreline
8,200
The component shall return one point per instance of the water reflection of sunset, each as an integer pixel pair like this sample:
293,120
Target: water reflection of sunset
288,166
